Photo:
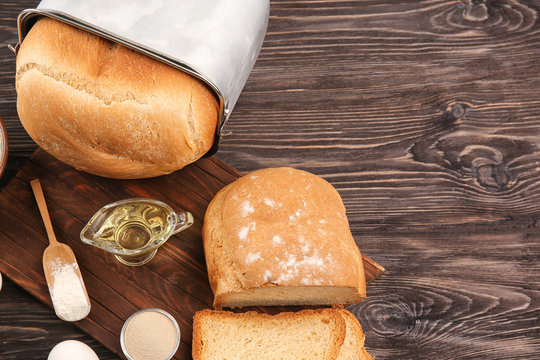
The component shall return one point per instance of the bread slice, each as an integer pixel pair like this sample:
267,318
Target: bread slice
353,345
280,236
307,334
365,355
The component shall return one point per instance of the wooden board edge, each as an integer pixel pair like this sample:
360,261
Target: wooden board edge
372,269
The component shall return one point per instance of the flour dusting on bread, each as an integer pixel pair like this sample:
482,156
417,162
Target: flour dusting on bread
280,228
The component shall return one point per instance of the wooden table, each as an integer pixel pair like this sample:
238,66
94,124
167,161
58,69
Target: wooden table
425,115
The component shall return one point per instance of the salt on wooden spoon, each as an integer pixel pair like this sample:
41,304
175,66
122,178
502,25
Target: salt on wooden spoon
66,286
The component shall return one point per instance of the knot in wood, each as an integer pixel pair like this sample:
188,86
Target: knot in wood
505,16
392,317
456,110
492,176
488,165
486,161
475,10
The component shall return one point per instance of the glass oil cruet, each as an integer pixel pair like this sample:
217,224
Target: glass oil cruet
134,229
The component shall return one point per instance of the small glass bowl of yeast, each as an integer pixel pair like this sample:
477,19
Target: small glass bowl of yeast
150,334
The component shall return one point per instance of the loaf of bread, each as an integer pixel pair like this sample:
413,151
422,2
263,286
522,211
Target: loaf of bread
280,236
108,110
325,334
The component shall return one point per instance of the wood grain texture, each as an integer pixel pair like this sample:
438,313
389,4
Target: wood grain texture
425,116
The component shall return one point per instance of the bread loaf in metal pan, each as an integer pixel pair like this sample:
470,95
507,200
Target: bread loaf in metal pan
280,236
108,110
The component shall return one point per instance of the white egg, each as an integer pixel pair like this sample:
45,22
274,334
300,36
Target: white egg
71,350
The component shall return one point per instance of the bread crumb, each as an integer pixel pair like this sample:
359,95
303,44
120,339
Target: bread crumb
277,240
267,276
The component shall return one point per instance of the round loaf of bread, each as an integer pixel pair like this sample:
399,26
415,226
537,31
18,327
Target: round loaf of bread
108,110
280,236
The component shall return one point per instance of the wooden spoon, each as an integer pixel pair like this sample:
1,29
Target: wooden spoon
70,299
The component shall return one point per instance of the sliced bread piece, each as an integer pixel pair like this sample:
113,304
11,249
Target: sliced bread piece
353,346
307,334
365,355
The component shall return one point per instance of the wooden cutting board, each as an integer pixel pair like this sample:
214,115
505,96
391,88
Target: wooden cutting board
175,280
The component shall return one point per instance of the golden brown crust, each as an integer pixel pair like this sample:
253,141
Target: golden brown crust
198,335
280,228
354,325
366,355
108,110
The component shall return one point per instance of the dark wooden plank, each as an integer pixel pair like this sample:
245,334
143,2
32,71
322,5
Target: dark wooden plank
425,116
219,169
428,295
